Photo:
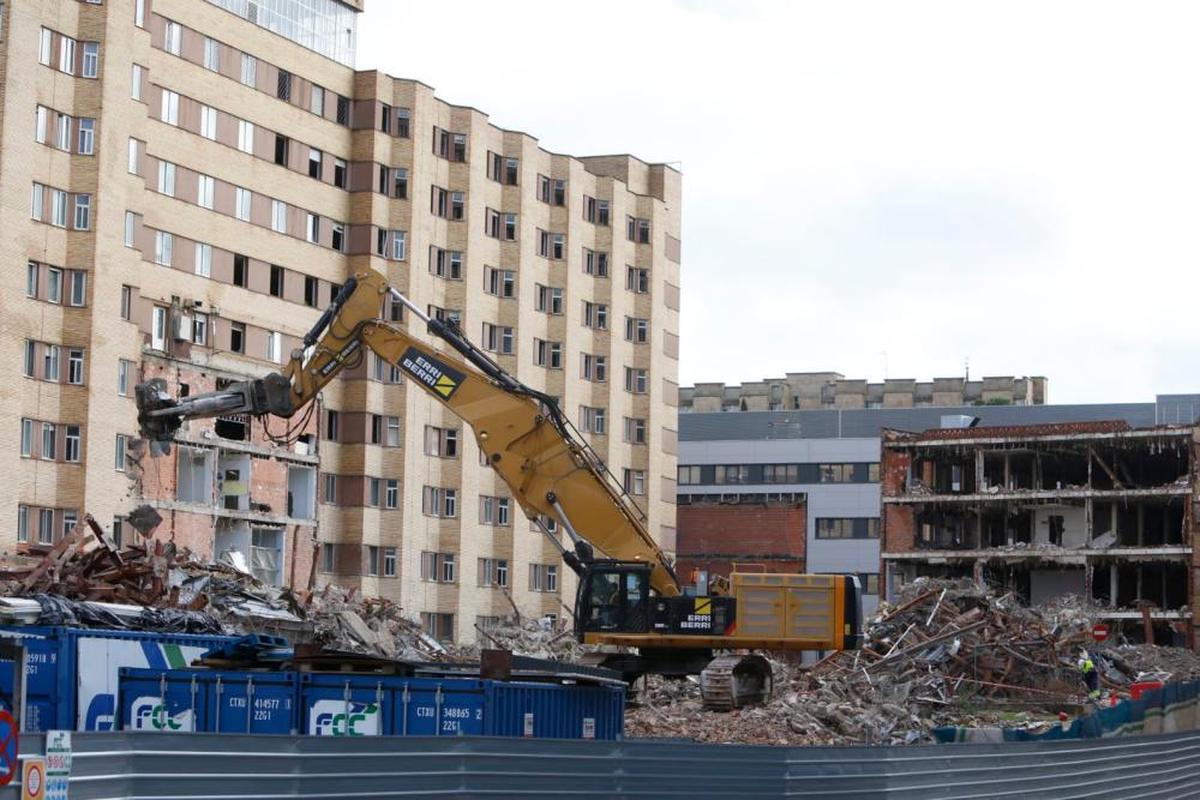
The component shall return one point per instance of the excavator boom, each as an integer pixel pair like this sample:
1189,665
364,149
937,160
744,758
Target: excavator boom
525,436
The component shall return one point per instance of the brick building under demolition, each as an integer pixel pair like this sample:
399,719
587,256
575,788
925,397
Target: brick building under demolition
753,533
1096,509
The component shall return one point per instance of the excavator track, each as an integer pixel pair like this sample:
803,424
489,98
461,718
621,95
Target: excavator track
733,681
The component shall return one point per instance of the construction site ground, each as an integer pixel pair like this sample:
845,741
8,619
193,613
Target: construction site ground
948,653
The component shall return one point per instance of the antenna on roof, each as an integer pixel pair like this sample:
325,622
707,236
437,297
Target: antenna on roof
967,367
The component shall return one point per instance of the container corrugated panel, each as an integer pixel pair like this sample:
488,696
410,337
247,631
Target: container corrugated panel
165,701
547,711
432,707
345,705
73,672
251,702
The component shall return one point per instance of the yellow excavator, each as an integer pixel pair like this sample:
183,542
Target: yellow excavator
628,593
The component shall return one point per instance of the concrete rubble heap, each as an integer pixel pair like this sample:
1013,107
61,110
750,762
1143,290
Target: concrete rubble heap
949,653
86,580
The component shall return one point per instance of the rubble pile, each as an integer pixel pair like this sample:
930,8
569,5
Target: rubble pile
524,636
168,589
949,653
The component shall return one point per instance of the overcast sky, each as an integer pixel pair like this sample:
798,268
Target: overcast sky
876,188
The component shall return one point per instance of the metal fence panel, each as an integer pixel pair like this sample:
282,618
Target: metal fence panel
148,766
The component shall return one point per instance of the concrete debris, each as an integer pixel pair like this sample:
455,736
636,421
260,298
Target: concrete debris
540,638
948,653
85,580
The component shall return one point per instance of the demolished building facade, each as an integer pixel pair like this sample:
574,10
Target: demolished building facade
1095,509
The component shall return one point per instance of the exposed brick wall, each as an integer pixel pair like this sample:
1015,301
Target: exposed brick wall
894,471
714,536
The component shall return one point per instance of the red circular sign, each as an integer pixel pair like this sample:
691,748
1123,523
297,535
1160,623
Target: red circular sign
8,747
1100,632
33,779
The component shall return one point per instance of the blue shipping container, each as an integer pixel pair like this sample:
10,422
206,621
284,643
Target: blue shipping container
72,673
339,704
207,700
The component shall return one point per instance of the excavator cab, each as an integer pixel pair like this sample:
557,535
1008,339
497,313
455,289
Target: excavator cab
613,597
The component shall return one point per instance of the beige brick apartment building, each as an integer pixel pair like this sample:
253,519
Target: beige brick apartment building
185,183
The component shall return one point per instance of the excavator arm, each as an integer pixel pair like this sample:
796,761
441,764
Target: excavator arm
526,438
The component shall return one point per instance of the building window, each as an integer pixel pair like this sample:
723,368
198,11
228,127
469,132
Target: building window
403,120
552,245
44,45
283,146
32,271
595,211
166,178
139,13
237,337
26,438
312,228
389,562
71,444
173,38
499,282
54,285
439,626
635,481
205,191
438,567
241,204
41,127
66,55
37,202
592,420
400,246
330,494
637,230
158,328
208,122
439,502
316,101
552,191
275,347
848,528
593,368
441,442
494,511
135,167
637,280
498,338
164,244
58,208
204,260
249,70
339,172
119,452
75,366
46,526
279,216
635,430
391,493
137,75
688,475
595,315
87,136
212,54
374,490
124,370
77,295
543,578
83,212
637,330
169,112
62,132
245,136
492,572
548,299
635,380
547,354
91,59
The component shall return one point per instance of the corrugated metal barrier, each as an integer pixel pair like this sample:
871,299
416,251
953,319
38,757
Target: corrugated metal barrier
148,766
